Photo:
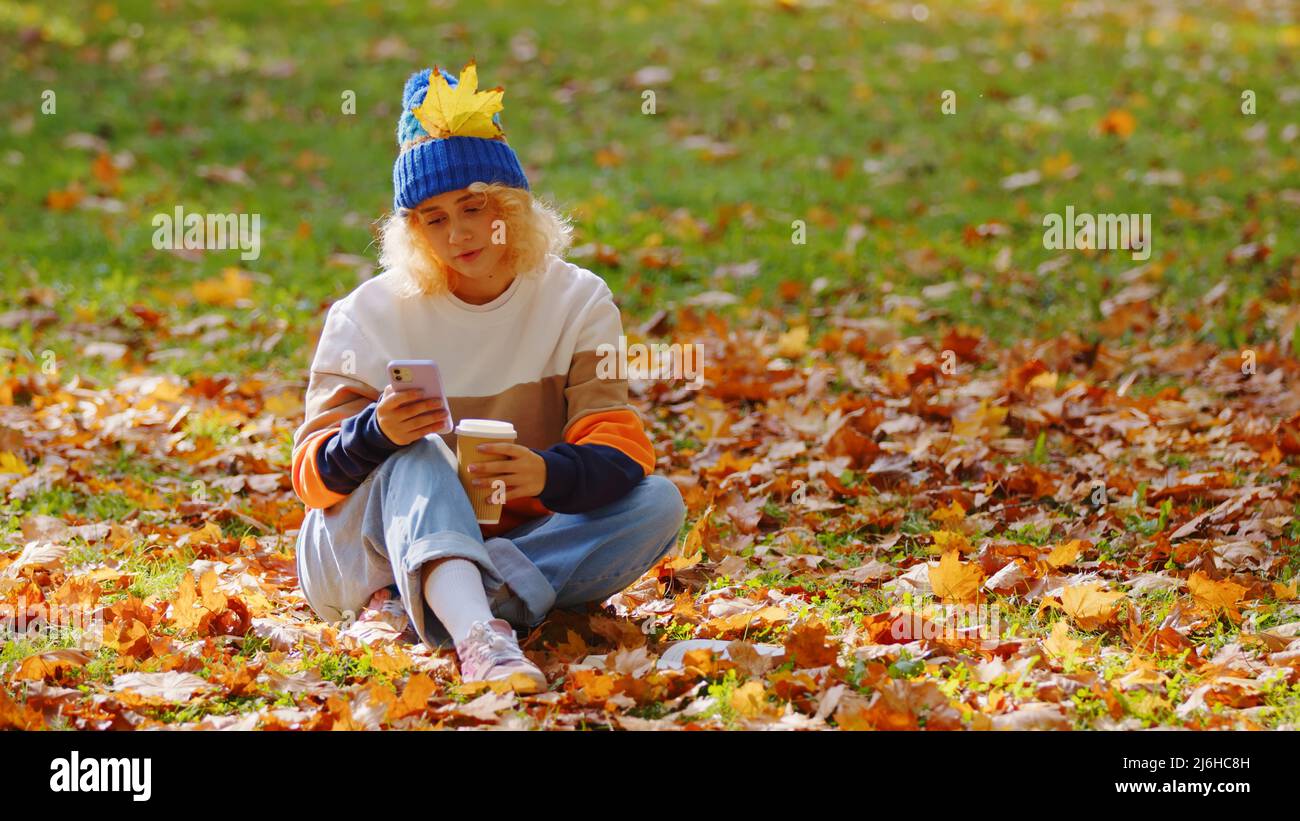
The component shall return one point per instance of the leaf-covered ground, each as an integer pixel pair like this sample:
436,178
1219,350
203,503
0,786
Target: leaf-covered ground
920,535
938,475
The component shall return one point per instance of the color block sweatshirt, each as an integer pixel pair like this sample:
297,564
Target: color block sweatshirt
528,357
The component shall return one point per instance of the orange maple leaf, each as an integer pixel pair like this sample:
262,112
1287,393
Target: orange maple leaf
806,644
1213,597
1089,606
1118,122
954,580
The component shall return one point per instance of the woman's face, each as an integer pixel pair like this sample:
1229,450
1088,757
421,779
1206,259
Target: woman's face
458,225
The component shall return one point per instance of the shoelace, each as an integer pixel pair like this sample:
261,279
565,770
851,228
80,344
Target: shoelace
490,647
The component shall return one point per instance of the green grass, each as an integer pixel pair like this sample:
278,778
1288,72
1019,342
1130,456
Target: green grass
37,641
201,708
344,669
862,104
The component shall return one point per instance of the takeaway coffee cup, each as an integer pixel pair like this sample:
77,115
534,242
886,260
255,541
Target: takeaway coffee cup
470,433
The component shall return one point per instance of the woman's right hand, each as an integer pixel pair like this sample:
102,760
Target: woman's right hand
405,416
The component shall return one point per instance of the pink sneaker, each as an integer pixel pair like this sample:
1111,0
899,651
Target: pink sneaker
385,616
491,653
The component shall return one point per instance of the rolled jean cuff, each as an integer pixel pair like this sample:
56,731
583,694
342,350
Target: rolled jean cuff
533,595
445,545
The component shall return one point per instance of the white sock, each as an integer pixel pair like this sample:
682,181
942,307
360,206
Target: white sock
455,593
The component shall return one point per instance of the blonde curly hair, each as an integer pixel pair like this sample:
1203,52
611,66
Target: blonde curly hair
533,229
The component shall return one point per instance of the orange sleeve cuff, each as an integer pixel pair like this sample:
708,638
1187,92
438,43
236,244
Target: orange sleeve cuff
306,478
621,429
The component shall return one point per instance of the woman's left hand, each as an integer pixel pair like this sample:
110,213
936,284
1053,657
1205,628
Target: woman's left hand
522,470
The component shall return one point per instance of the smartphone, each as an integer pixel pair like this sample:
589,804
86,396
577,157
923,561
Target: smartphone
422,374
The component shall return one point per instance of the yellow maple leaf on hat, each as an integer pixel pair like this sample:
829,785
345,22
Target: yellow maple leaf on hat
463,111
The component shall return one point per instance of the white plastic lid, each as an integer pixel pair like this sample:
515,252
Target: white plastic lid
491,428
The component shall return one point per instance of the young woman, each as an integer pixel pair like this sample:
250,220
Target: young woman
473,279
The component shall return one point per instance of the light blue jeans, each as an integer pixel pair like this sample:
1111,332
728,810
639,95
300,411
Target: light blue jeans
412,509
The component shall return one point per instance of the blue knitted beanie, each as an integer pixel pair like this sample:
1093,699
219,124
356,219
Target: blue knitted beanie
432,164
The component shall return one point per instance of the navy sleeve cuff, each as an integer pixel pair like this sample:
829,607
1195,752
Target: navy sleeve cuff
354,452
584,477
